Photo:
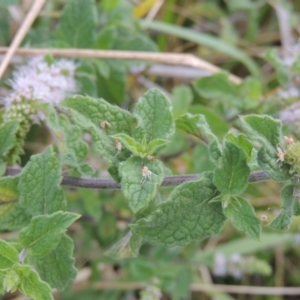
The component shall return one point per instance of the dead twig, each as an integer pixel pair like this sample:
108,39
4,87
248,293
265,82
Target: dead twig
31,16
168,58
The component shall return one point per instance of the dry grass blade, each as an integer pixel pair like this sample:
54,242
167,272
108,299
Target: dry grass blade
168,58
31,16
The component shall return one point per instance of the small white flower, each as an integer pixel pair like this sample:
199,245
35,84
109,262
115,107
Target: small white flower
40,81
220,265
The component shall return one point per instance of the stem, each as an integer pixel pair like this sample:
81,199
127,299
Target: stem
110,184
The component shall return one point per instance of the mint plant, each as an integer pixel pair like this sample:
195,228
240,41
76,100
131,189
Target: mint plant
92,129
34,201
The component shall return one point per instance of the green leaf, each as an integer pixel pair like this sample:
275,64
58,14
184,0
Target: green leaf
241,141
156,146
187,215
217,87
141,149
57,267
4,3
214,120
215,152
130,143
268,161
43,234
231,175
113,85
288,209
8,255
155,120
68,137
127,247
204,40
78,23
139,189
102,143
12,215
263,128
11,280
98,110
182,97
8,132
31,285
124,37
86,76
243,217
195,126
39,184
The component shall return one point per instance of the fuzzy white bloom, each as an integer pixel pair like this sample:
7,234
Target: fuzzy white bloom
40,81
220,265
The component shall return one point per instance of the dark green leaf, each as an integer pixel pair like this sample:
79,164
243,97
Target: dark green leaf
243,217
288,209
78,23
103,114
263,128
44,233
268,161
241,141
39,184
140,188
155,120
57,267
231,175
187,215
8,255
195,126
8,132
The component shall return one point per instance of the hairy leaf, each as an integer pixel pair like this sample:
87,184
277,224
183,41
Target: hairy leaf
195,126
130,143
243,217
102,143
31,284
263,128
231,175
111,118
8,255
155,120
268,161
44,232
57,267
241,141
12,215
288,209
187,215
8,132
39,184
140,188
